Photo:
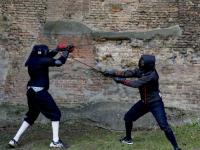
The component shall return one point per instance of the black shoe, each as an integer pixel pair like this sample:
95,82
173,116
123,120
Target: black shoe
58,144
124,140
177,149
13,143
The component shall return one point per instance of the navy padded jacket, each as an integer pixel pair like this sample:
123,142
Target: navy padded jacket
38,69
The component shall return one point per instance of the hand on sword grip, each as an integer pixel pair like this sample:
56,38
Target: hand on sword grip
70,48
61,47
109,73
119,80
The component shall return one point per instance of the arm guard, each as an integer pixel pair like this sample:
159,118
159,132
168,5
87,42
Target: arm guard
64,57
53,53
58,63
129,73
139,82
52,62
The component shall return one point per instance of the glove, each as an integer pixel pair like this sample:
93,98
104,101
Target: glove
70,48
61,47
109,73
119,80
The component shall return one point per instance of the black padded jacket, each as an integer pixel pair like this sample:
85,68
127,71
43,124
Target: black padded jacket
147,81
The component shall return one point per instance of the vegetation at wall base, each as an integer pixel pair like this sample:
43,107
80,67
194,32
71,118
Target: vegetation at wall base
84,137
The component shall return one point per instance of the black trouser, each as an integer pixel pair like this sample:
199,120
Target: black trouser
42,102
158,111
156,108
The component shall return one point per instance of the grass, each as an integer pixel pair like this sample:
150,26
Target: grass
83,137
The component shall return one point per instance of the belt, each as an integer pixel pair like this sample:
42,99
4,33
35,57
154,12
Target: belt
36,89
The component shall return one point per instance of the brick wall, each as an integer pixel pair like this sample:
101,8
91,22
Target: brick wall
25,19
76,85
4,29
67,9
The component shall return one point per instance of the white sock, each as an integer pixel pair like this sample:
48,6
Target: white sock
21,130
55,127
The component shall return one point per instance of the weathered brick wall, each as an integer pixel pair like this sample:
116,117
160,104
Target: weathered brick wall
67,9
75,84
4,29
137,15
69,81
25,19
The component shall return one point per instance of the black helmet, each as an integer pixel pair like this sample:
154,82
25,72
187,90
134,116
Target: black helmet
147,62
40,50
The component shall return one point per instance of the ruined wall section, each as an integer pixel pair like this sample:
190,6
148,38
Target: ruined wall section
67,9
75,84
4,29
177,57
132,15
25,19
186,66
68,82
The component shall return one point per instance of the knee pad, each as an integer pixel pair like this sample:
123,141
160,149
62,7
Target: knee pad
166,129
127,118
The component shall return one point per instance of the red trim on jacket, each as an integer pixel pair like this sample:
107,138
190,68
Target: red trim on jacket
117,72
126,82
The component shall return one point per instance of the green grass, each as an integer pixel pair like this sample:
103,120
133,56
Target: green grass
82,137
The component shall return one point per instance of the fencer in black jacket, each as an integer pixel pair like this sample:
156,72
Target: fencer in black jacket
39,99
151,98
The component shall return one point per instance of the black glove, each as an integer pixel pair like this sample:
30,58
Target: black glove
109,73
70,48
119,80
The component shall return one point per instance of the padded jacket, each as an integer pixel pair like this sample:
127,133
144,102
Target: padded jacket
147,81
38,69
